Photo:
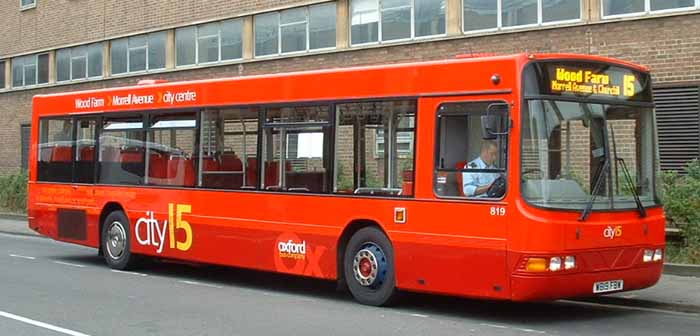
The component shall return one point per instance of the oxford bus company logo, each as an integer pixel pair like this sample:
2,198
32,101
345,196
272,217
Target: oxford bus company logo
611,232
149,231
297,256
292,250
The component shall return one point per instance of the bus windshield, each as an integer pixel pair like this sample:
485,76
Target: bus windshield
579,154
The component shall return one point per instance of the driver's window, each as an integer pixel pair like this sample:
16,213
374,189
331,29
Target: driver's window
471,150
171,150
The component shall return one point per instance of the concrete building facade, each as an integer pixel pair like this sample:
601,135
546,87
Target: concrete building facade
68,45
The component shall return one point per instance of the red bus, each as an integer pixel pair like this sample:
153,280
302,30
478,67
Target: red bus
522,177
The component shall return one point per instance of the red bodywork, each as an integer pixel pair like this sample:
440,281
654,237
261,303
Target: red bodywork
450,246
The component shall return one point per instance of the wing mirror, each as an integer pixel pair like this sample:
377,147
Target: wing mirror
493,124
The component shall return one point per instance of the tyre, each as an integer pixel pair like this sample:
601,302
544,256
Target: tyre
116,241
369,268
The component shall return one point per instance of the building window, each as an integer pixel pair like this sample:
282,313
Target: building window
30,70
266,34
209,42
25,131
639,7
138,53
295,30
2,75
79,62
390,20
322,22
27,4
491,15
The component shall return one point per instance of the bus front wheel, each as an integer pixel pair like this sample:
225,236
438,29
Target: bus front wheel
369,267
116,241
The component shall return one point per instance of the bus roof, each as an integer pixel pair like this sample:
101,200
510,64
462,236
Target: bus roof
465,73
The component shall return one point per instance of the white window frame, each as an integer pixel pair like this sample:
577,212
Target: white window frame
196,46
25,7
540,19
129,48
279,32
199,37
380,11
279,38
647,10
87,64
128,57
307,10
36,72
3,84
308,28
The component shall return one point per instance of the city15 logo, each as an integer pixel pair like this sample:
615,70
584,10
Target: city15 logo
150,232
611,232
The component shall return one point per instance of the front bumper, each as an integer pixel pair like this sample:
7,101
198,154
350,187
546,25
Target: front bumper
580,284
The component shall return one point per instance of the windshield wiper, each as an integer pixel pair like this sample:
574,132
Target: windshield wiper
602,172
628,178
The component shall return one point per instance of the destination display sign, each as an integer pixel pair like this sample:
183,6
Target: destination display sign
593,80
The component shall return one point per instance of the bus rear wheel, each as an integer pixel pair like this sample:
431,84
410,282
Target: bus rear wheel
369,269
116,241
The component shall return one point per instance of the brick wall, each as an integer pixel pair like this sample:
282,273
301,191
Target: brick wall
59,22
670,46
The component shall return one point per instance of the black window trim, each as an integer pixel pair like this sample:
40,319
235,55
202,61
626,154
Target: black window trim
146,115
436,161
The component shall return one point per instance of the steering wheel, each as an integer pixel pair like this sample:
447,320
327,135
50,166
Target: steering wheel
497,188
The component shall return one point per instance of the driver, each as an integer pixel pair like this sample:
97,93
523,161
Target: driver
477,184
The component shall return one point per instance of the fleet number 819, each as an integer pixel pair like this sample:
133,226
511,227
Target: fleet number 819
497,211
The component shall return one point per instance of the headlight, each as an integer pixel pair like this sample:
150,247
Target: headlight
648,255
570,262
658,255
555,264
536,265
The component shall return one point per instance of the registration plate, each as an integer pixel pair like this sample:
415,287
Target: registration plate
608,286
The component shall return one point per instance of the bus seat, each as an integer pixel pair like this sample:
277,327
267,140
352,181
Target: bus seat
189,174
210,163
157,166
61,154
271,173
131,156
407,187
231,162
180,171
87,153
252,172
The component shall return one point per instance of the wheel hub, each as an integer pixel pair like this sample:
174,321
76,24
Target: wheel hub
116,240
369,266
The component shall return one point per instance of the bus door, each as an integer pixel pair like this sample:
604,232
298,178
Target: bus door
466,224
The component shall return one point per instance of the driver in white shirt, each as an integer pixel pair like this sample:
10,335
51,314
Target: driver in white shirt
477,184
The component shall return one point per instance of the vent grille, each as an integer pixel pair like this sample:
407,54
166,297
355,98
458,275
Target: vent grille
678,121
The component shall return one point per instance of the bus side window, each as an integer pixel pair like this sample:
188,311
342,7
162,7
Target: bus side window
229,146
84,166
56,145
171,150
122,151
296,149
470,161
374,148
